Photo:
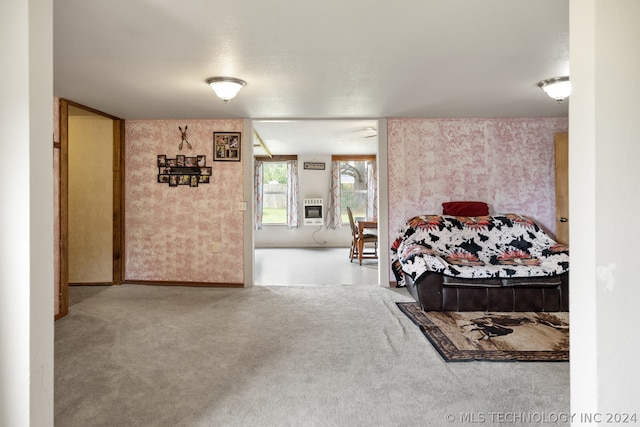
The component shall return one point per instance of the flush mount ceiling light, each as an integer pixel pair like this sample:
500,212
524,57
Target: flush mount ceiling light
226,87
557,88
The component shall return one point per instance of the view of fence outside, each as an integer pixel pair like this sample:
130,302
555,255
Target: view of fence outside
274,202
354,199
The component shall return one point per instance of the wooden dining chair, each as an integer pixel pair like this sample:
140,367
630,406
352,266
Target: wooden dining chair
366,237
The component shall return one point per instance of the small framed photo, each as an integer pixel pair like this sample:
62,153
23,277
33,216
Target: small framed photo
226,146
162,160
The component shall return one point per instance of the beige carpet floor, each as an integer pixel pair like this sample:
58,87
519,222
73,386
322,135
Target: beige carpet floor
325,355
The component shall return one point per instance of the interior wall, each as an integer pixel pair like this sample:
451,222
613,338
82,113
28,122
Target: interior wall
617,153
508,163
90,198
183,234
312,184
604,201
26,214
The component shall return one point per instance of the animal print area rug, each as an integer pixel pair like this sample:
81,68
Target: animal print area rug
476,335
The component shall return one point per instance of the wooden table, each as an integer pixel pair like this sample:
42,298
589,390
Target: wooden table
362,224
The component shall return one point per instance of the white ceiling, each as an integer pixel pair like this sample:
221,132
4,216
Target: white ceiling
315,137
352,59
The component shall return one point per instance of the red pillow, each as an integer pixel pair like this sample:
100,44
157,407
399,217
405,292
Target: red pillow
465,208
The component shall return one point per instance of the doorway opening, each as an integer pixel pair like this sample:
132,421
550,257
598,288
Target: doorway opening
91,199
312,253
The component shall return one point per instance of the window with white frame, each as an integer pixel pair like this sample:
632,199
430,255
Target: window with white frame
353,185
276,191
353,189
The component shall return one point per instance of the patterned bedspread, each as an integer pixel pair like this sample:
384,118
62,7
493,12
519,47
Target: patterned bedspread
495,246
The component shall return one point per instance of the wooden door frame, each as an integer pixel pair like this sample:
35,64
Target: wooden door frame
561,148
118,200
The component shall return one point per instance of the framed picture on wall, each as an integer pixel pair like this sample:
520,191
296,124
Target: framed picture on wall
226,146
319,166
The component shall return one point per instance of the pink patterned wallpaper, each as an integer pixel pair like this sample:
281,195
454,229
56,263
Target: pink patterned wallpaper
508,163
171,231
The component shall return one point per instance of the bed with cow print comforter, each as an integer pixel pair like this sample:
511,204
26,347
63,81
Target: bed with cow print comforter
491,263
